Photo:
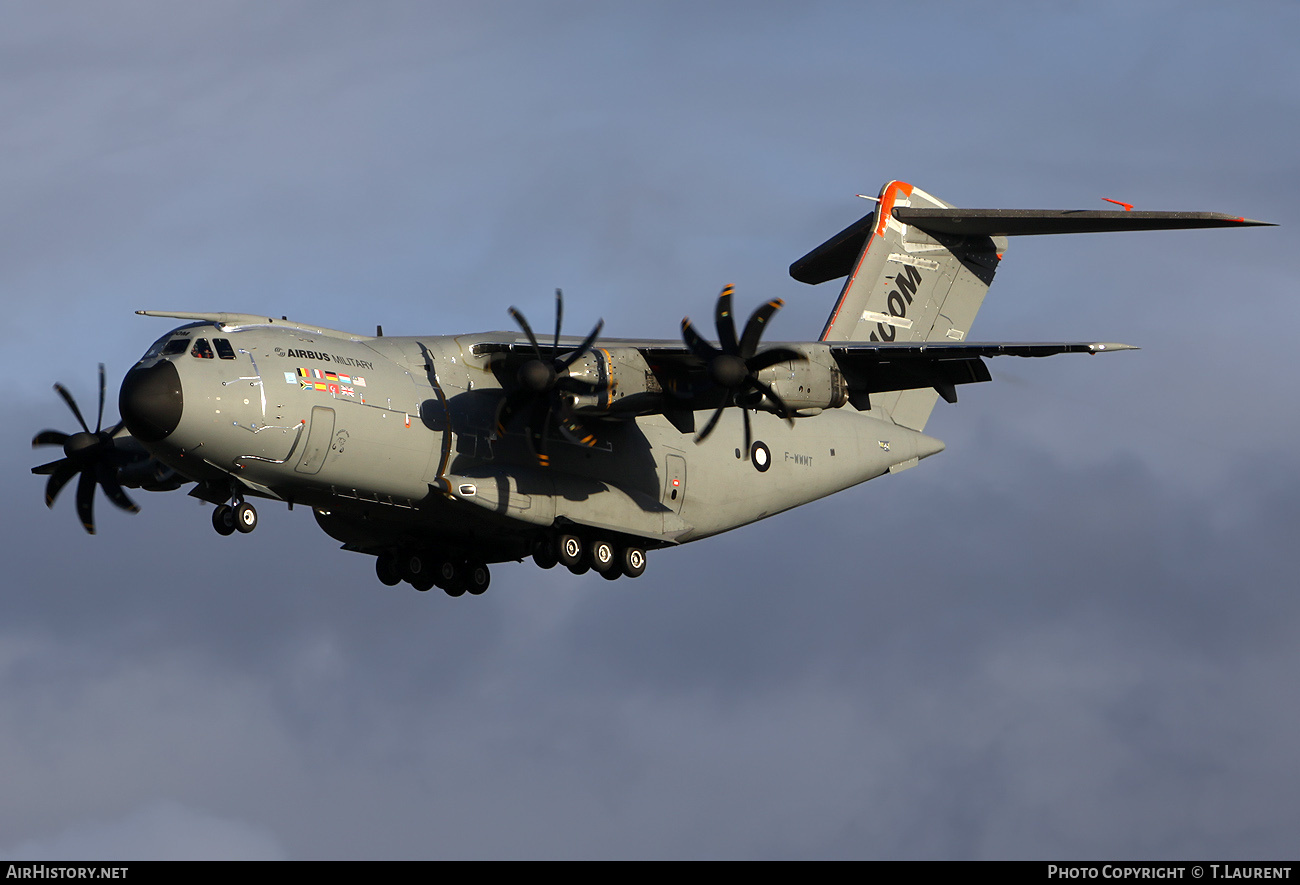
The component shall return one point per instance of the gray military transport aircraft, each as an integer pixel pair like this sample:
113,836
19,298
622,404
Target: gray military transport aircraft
440,455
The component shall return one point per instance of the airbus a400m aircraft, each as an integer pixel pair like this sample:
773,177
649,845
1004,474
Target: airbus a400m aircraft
442,455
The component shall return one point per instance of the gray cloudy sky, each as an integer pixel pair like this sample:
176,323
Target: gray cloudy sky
1071,635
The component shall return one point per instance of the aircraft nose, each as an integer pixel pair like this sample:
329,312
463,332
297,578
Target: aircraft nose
151,401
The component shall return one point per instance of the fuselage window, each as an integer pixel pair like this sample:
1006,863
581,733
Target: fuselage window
175,346
202,349
224,350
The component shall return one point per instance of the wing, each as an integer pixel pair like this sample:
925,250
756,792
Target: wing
871,367
666,377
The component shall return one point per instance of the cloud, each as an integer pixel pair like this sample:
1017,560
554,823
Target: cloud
159,830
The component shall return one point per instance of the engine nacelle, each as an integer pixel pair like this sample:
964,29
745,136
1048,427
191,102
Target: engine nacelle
809,385
621,380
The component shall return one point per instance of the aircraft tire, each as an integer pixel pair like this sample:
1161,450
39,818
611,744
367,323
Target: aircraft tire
581,567
447,573
416,566
545,555
611,574
569,552
601,554
223,519
632,562
387,571
245,517
477,577
423,583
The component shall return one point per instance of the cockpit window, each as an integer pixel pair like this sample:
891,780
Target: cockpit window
175,346
224,350
202,350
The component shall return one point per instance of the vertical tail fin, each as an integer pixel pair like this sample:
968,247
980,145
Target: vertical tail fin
905,285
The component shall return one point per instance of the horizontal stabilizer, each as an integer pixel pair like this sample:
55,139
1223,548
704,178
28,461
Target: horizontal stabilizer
1027,222
837,256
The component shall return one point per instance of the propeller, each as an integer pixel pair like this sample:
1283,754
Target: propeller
734,366
89,453
541,385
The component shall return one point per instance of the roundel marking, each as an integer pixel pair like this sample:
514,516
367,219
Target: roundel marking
760,456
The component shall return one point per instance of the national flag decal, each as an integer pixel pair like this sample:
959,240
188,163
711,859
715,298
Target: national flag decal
335,383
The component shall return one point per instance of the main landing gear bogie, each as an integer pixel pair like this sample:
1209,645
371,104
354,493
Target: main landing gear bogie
424,571
601,555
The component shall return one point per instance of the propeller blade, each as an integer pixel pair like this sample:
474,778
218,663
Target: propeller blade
528,330
559,316
577,434
585,346
72,404
539,426
569,384
107,477
59,476
772,357
698,346
86,501
781,408
754,328
713,422
51,467
723,320
49,438
103,386
508,407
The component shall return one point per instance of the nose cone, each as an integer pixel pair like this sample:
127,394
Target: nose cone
151,401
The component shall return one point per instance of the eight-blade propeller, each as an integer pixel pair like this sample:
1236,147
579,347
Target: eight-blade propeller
735,366
90,453
541,385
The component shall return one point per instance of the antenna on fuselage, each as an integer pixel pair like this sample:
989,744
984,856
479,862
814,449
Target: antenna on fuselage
379,331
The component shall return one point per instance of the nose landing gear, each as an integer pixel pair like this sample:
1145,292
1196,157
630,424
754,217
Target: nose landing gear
241,517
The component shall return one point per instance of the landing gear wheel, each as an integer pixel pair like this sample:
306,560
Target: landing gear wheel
245,517
545,555
447,574
632,561
423,583
223,519
581,568
476,577
569,552
602,555
415,567
387,571
612,574
455,588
